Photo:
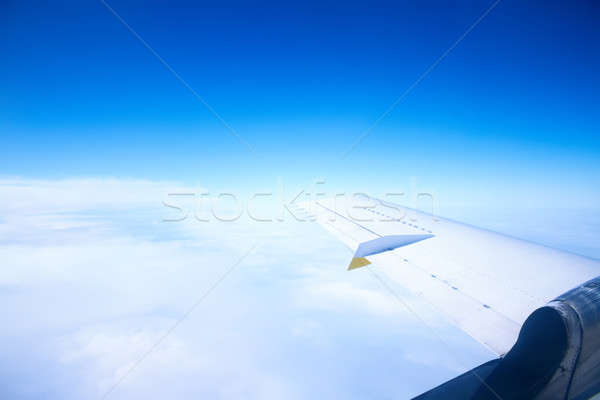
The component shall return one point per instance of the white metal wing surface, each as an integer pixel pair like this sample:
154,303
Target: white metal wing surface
484,282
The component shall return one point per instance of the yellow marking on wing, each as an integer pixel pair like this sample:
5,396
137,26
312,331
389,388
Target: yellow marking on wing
358,262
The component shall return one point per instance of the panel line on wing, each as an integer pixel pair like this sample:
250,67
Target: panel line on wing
465,294
348,219
346,234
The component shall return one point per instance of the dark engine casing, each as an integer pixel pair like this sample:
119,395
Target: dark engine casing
557,355
578,375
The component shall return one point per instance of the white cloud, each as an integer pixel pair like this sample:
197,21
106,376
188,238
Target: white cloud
91,277
34,196
336,295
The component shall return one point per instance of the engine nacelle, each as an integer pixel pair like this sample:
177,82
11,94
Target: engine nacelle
578,374
557,355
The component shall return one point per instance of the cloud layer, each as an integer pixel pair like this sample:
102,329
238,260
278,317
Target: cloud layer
92,278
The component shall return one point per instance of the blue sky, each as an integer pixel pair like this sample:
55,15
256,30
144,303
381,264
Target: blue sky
511,108
96,132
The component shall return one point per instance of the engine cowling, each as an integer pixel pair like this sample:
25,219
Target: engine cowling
579,370
556,356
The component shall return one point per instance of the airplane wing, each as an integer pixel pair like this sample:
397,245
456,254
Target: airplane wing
486,283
